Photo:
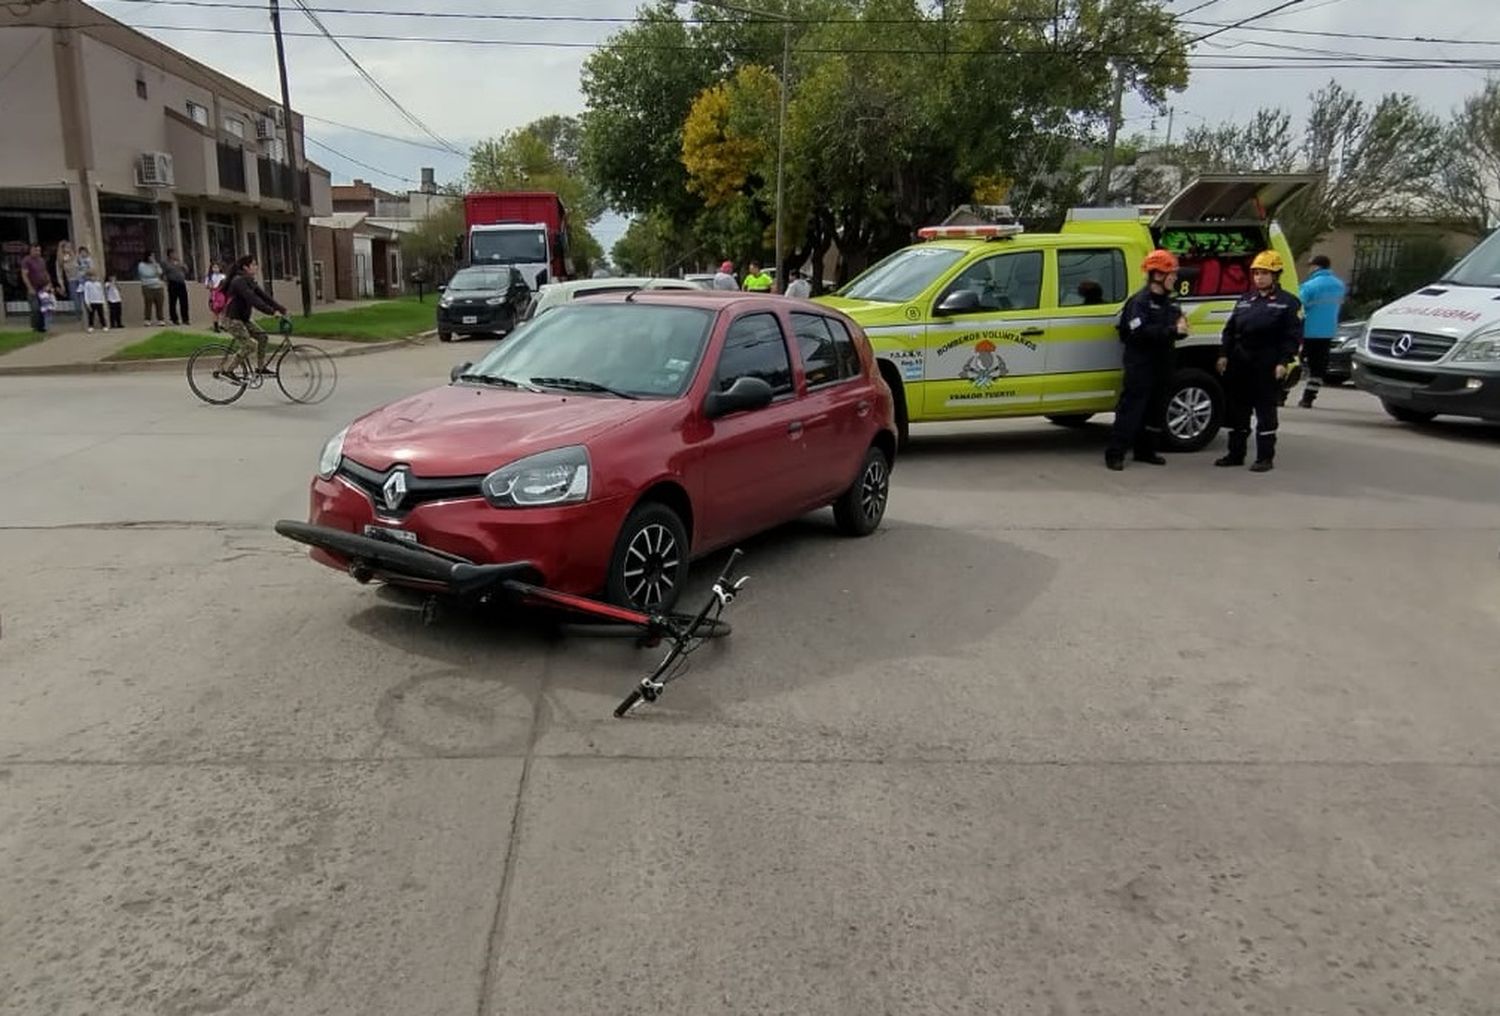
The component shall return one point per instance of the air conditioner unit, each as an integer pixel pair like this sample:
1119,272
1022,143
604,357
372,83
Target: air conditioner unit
154,169
265,128
276,115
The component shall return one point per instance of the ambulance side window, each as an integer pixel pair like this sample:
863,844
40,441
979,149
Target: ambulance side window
1091,277
1003,282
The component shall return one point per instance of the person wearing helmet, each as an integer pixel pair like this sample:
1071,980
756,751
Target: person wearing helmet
1150,325
1260,341
725,279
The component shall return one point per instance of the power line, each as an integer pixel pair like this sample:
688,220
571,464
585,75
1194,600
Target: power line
357,162
1424,39
1245,21
380,89
377,134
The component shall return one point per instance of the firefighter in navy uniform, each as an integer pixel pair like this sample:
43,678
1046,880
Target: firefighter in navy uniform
1150,325
1261,339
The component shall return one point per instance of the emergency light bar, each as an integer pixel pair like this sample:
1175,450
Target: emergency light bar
998,232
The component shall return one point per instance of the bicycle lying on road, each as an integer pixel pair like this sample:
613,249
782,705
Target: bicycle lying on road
219,373
444,576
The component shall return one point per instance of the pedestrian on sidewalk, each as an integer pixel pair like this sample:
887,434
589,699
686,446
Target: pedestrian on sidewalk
46,306
176,274
725,278
93,299
66,274
214,283
1322,296
153,291
1260,341
84,264
116,305
38,280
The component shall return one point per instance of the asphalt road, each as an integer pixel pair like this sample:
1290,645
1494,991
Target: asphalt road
1054,741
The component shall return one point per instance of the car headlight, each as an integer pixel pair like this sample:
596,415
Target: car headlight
494,301
1481,348
333,454
446,301
560,476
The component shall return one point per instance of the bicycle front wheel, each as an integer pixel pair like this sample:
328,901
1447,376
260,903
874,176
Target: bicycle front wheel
216,375
307,375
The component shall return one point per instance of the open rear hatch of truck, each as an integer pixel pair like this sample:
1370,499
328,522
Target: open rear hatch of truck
1219,222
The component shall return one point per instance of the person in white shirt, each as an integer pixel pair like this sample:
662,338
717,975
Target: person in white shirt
93,299
725,279
800,289
116,304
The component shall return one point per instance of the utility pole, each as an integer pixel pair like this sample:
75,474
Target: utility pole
1171,112
786,59
1107,171
299,236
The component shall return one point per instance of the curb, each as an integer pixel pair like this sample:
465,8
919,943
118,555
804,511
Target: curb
180,363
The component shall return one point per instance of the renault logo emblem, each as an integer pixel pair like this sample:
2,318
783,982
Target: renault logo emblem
393,492
1402,345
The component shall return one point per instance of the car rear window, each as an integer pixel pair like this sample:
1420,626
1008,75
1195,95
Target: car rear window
755,347
827,349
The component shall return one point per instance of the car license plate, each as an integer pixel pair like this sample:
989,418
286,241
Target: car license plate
471,319
387,533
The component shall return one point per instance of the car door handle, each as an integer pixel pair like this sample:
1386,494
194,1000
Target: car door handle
1033,332
794,428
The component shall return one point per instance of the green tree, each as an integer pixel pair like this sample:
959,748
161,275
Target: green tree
431,248
1469,182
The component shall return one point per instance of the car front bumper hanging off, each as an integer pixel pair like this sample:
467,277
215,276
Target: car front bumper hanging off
370,557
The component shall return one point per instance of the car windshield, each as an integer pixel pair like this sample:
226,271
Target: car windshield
903,275
511,246
1481,267
643,350
479,280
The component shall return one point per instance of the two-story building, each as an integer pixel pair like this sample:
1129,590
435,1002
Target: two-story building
120,144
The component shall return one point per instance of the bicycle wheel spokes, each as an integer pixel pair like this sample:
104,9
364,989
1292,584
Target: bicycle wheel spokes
215,374
306,374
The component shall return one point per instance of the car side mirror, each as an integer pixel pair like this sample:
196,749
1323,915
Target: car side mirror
456,372
746,393
960,301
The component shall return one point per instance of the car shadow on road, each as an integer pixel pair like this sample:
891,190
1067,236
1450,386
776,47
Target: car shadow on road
818,605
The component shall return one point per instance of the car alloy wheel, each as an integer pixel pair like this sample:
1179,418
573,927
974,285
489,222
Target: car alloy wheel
651,561
859,509
1189,413
874,489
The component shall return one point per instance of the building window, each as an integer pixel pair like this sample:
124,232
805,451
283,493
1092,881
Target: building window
131,228
231,168
198,114
234,125
275,149
187,227
278,244
140,88
223,241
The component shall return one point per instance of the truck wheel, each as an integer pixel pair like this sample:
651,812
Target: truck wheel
1408,415
1070,419
1195,411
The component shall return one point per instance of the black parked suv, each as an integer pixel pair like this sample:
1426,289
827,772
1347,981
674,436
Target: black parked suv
483,300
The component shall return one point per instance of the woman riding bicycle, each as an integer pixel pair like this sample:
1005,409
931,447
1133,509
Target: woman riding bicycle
245,297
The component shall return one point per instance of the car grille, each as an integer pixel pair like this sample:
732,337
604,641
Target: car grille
419,489
461,309
1387,373
1424,348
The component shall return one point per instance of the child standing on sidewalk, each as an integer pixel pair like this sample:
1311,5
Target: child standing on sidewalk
112,297
93,299
46,305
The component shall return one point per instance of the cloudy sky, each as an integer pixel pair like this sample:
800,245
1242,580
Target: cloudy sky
529,67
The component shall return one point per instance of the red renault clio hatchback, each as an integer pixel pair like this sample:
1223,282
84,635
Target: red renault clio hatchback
604,445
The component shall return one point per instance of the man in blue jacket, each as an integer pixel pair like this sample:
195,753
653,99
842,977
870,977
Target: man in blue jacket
1322,296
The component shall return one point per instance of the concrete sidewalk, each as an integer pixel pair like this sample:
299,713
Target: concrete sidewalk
70,349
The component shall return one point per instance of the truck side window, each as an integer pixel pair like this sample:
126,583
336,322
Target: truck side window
1091,277
1004,282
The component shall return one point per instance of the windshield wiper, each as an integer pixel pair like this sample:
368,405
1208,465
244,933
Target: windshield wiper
496,379
574,384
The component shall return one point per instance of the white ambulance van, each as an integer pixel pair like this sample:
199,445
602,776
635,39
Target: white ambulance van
1436,352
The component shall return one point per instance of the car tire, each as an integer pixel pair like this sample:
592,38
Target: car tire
1408,415
1195,411
1070,419
650,560
445,336
859,509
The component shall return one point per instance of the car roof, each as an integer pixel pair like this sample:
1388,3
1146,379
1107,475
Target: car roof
585,285
719,300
